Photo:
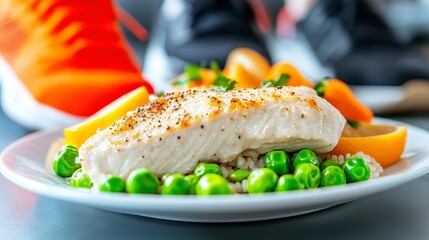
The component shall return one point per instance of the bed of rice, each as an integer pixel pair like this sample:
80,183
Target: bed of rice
251,160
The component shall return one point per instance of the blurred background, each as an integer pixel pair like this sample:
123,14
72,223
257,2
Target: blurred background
379,47
407,20
376,47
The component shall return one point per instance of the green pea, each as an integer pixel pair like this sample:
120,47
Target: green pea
80,179
212,184
262,180
356,169
142,181
288,182
64,163
192,181
238,175
165,177
333,175
175,184
277,161
328,163
308,174
305,156
112,184
321,87
204,168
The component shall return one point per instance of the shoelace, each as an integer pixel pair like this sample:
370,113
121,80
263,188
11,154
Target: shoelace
261,15
132,24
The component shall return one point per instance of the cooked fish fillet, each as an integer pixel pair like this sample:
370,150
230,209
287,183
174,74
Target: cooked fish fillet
173,133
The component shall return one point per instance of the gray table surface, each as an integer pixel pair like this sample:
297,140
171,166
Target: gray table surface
400,213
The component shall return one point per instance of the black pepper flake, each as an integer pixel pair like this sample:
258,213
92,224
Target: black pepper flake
239,136
302,115
202,126
178,137
160,139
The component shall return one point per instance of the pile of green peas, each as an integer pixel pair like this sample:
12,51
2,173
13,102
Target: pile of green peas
304,171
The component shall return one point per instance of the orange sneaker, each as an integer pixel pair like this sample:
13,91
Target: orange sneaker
62,60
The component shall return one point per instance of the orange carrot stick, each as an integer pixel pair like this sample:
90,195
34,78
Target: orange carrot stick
341,97
295,77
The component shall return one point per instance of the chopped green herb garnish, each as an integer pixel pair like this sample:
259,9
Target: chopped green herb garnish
223,83
193,71
353,124
215,67
267,84
281,81
160,94
192,74
320,87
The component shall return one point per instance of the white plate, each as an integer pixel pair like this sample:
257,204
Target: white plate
23,164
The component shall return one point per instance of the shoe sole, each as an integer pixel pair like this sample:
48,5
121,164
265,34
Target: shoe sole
19,105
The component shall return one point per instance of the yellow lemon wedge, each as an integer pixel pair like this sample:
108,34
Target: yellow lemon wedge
77,134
